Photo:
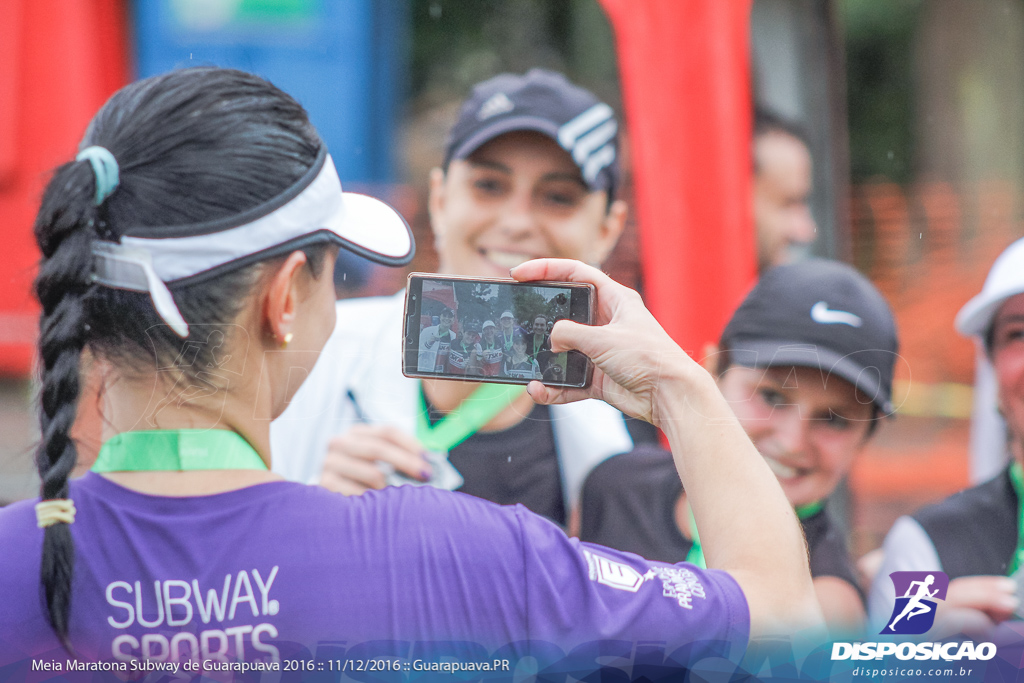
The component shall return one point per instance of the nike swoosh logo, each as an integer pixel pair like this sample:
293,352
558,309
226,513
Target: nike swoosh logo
820,313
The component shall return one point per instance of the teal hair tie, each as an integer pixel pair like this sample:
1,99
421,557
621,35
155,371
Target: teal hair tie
104,166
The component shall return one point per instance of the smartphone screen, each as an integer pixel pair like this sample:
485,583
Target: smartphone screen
489,330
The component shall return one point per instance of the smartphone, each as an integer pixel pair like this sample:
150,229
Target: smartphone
493,330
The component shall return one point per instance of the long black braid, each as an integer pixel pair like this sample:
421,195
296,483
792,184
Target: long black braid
193,145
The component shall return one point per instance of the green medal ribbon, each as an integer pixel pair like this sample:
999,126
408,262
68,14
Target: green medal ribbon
177,450
473,413
1017,479
696,553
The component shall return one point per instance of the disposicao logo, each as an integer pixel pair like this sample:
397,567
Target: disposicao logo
916,595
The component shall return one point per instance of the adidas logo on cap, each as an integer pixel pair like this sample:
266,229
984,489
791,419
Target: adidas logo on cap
495,104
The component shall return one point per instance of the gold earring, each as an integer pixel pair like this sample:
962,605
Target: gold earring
287,340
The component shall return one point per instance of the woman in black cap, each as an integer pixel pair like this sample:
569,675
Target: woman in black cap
519,363
806,363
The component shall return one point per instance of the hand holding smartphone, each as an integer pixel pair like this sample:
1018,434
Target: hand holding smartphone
493,330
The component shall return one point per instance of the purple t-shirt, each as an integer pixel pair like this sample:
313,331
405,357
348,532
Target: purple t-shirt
282,570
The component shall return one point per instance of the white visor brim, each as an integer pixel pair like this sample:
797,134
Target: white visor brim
363,224
321,211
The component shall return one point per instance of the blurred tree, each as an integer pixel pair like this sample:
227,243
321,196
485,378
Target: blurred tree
456,43
528,304
880,86
970,92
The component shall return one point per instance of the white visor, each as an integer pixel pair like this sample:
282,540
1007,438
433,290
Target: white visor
313,210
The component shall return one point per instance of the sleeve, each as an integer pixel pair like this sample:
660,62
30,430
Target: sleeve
829,555
577,593
907,547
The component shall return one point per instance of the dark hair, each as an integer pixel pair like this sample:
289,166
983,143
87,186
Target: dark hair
192,146
990,340
766,122
553,372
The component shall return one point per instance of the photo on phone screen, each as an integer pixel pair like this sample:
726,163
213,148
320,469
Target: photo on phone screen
493,330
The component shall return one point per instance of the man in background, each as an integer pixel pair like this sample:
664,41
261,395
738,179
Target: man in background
782,189
540,345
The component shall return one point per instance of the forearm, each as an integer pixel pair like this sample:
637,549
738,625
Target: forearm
747,526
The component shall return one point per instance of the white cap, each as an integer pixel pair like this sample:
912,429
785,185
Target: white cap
508,314
1005,279
313,210
487,323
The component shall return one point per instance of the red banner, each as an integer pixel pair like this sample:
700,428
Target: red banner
59,61
685,71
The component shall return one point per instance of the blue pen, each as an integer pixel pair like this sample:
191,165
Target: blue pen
355,407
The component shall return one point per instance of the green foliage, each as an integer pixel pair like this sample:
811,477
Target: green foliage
880,87
527,304
456,43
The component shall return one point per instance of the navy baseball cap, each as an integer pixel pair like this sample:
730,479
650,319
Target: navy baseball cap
821,314
545,102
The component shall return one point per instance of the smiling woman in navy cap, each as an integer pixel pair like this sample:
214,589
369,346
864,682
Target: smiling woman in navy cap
530,170
806,363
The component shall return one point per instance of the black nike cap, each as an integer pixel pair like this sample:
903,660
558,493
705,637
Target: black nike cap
821,314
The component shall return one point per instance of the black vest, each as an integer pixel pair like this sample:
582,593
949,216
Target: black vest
628,503
974,531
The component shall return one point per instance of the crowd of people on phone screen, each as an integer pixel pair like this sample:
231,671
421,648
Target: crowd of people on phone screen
507,348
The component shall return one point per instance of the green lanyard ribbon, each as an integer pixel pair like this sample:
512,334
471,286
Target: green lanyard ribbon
177,450
696,553
1017,479
473,413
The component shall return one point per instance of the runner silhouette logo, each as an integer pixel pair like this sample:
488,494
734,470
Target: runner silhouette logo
917,594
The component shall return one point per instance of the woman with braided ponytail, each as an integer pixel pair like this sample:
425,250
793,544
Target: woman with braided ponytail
184,255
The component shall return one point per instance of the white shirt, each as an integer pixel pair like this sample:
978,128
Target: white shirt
430,346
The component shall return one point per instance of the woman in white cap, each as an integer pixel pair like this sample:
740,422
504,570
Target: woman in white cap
507,323
186,255
975,536
492,354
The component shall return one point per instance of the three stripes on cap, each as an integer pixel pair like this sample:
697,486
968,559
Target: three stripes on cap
588,137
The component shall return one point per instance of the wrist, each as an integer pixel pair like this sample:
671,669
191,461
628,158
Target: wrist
685,390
